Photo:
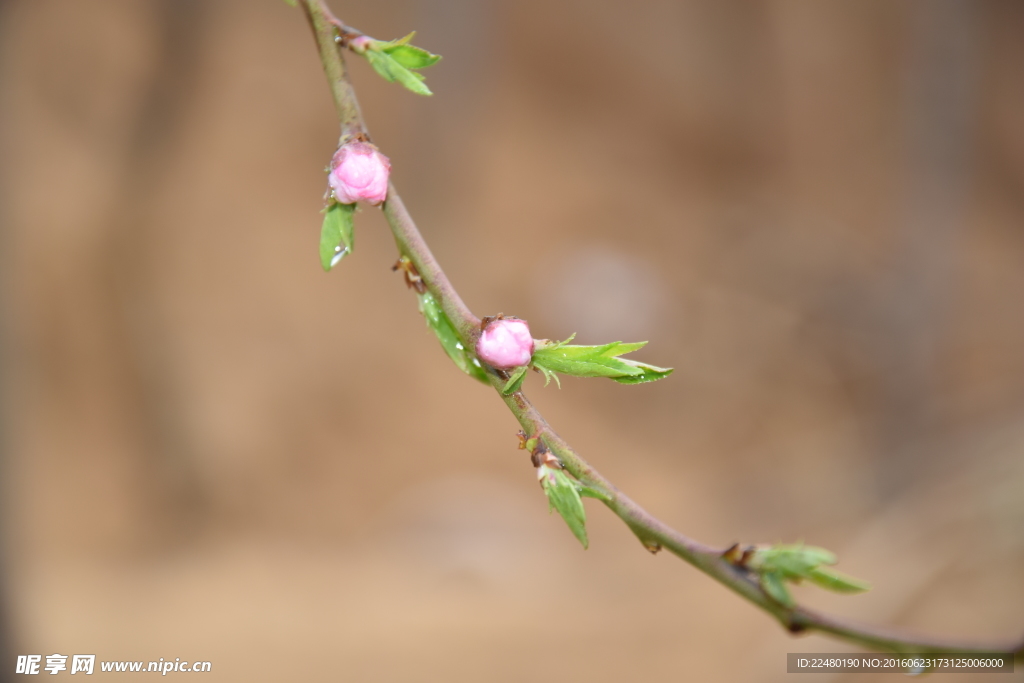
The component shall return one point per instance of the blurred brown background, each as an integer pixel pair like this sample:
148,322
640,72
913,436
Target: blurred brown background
214,451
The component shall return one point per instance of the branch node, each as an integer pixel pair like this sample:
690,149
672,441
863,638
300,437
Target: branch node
732,554
413,279
795,627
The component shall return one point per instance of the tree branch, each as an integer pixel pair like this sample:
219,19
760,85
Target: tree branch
331,35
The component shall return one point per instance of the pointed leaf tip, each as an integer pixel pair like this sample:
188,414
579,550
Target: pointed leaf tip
400,41
837,581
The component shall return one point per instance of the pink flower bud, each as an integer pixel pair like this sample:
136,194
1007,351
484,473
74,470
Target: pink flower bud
505,344
359,171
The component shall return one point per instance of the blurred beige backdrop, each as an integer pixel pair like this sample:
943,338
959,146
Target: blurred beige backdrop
214,451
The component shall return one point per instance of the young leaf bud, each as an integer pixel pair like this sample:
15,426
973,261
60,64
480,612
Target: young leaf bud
505,343
359,172
563,494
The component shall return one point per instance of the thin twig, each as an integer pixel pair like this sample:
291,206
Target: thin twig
325,27
653,533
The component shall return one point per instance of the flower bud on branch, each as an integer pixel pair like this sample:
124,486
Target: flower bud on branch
505,343
359,172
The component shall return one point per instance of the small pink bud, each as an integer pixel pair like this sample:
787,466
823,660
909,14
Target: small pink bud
359,172
360,44
505,344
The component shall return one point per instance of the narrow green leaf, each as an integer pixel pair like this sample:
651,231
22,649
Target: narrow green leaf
773,585
391,71
836,581
445,332
412,57
564,497
596,361
515,381
336,234
293,3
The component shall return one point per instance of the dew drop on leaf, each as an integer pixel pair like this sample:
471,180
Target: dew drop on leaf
340,254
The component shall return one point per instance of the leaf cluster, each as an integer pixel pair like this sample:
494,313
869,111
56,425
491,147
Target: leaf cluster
775,565
397,60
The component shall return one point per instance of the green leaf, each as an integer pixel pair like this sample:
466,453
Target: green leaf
336,234
836,581
515,380
293,3
564,497
390,70
412,57
773,585
445,332
596,361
